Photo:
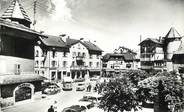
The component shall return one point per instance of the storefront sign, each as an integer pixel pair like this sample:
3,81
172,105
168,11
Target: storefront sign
24,85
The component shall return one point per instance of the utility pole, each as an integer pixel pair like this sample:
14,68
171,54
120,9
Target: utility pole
34,13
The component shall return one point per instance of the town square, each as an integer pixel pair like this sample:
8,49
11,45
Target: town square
91,56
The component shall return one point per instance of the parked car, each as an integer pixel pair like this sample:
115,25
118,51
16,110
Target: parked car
94,98
96,78
79,80
79,107
67,84
80,87
51,89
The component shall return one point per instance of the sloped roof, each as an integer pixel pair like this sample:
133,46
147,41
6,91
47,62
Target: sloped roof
53,41
125,56
15,10
154,40
173,33
87,44
70,41
12,79
91,46
17,26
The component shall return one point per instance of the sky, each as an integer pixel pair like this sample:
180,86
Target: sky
111,23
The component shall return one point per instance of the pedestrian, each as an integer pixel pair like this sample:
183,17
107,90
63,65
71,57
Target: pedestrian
55,106
89,87
51,109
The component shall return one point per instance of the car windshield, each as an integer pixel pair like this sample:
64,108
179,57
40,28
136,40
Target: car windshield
92,98
90,106
80,84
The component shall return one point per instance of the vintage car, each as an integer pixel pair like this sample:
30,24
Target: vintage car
80,87
79,107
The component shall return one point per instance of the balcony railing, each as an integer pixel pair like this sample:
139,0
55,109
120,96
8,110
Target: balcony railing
146,67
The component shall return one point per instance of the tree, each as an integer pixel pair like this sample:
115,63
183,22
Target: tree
118,96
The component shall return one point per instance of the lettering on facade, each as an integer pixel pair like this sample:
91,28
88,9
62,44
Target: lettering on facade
24,85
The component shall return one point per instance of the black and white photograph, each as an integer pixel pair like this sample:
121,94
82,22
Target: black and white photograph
91,55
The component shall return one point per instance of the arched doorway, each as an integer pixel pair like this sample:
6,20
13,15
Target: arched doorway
23,92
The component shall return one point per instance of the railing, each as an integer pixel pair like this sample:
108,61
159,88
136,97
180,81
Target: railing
146,67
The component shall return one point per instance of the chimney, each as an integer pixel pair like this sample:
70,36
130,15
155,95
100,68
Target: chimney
160,39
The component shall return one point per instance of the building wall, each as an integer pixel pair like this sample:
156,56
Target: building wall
17,46
116,64
64,61
8,65
80,48
172,47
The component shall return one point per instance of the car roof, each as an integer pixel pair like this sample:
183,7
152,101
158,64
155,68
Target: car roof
76,108
93,95
83,103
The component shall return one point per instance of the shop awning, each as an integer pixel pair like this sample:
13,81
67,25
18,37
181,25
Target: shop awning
94,70
13,79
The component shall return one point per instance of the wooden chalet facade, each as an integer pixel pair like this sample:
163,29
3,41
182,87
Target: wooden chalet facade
157,54
17,79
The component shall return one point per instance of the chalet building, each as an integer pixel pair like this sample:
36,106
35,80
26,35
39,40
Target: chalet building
156,54
17,79
51,58
118,61
84,58
178,58
62,56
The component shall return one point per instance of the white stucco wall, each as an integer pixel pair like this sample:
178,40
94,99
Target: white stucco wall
172,47
7,65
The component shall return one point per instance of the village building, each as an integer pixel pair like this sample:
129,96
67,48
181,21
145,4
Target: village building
51,58
156,54
84,58
118,61
178,58
17,79
62,56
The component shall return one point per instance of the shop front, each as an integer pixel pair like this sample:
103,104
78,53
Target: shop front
94,72
23,91
17,88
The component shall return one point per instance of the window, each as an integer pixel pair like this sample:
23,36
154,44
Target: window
97,56
68,74
78,46
53,63
78,53
90,56
74,54
90,64
53,54
37,53
84,63
64,63
53,75
83,54
37,63
64,73
97,64
73,63
64,54
17,69
42,63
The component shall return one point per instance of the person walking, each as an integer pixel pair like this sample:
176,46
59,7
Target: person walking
55,106
51,109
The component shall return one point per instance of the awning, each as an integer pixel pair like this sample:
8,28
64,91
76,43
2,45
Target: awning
13,79
94,70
